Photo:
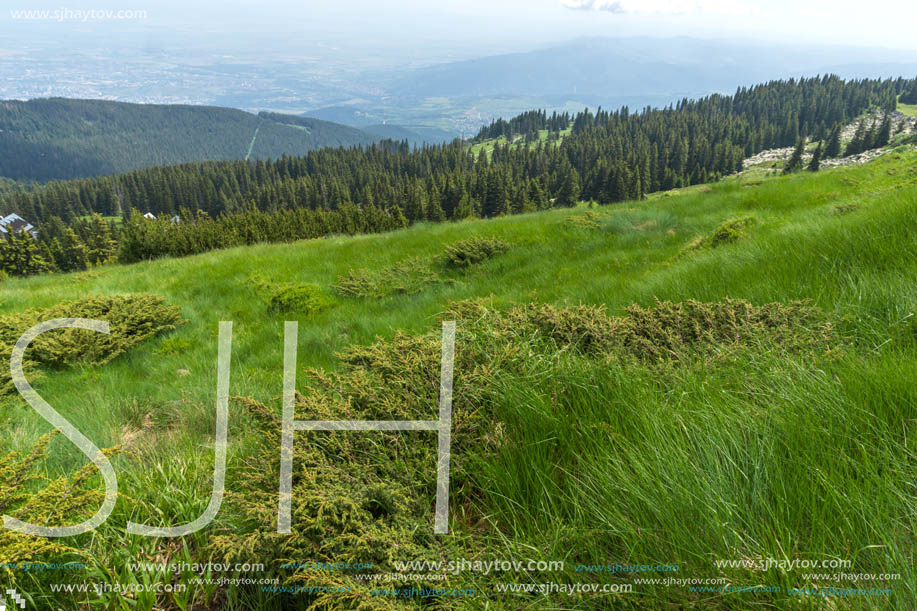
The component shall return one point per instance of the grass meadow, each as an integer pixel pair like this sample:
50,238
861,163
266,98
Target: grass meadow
752,455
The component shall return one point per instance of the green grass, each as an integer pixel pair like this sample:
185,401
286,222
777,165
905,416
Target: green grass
488,145
763,456
908,109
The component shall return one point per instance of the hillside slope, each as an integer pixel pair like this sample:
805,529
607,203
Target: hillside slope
61,138
730,431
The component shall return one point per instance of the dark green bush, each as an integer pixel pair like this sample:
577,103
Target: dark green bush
845,209
728,232
731,231
468,252
131,318
301,298
370,511
405,278
60,501
586,220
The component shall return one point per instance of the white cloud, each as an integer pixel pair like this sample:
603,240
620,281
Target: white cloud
665,7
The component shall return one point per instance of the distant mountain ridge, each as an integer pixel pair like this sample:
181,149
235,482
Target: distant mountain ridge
59,138
641,70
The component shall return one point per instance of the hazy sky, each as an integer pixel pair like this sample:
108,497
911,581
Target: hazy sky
491,24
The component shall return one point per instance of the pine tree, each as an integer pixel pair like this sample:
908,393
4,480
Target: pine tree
74,254
884,135
537,196
101,245
463,209
21,256
858,144
399,218
521,202
815,164
833,149
795,162
569,193
435,211
496,201
910,96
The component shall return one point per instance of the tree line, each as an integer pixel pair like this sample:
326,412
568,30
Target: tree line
910,95
527,124
607,157
85,242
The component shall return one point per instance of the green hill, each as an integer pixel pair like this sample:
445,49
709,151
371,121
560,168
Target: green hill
593,423
60,138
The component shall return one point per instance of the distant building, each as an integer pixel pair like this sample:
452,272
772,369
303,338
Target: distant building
13,223
150,215
175,220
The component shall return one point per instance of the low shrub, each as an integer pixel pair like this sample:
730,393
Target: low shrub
65,500
845,209
301,298
728,232
731,231
665,331
131,318
405,278
587,220
468,252
370,511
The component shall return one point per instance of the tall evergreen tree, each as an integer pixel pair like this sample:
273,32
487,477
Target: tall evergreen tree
910,96
73,254
884,135
795,162
815,163
20,255
833,148
569,189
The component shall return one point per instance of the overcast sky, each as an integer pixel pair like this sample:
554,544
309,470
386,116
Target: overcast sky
492,23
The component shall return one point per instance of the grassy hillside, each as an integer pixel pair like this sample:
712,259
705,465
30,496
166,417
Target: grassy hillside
518,141
61,138
743,442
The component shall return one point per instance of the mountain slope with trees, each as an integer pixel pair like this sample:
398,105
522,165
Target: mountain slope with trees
57,138
607,157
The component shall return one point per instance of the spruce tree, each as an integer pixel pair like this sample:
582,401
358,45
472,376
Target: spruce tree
833,149
435,212
537,196
74,254
569,189
815,164
858,144
884,135
795,162
21,256
910,96
463,209
101,245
